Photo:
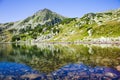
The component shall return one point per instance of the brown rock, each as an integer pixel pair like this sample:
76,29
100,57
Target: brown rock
118,58
118,68
30,76
109,74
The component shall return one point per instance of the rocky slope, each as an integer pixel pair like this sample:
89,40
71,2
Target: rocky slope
46,25
92,26
41,18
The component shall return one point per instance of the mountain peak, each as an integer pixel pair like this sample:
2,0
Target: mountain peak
46,15
45,9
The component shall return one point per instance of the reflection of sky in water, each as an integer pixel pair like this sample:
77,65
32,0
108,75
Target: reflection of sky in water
15,71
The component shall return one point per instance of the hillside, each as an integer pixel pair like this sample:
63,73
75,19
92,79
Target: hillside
46,25
27,27
91,26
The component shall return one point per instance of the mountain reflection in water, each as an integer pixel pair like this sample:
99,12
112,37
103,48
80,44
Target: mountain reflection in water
59,62
15,71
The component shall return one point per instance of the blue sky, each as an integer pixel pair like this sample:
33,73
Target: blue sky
14,10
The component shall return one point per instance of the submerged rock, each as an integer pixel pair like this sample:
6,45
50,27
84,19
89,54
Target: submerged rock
31,76
15,71
83,72
118,68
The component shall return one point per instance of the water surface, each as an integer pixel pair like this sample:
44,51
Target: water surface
62,61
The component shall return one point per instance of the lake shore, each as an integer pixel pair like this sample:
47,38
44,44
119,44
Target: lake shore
79,42
68,42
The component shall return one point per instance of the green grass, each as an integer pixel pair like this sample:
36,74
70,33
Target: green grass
109,29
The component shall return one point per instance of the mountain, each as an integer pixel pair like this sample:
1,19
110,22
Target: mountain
92,27
41,18
46,25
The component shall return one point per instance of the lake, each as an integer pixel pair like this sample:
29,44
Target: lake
59,62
